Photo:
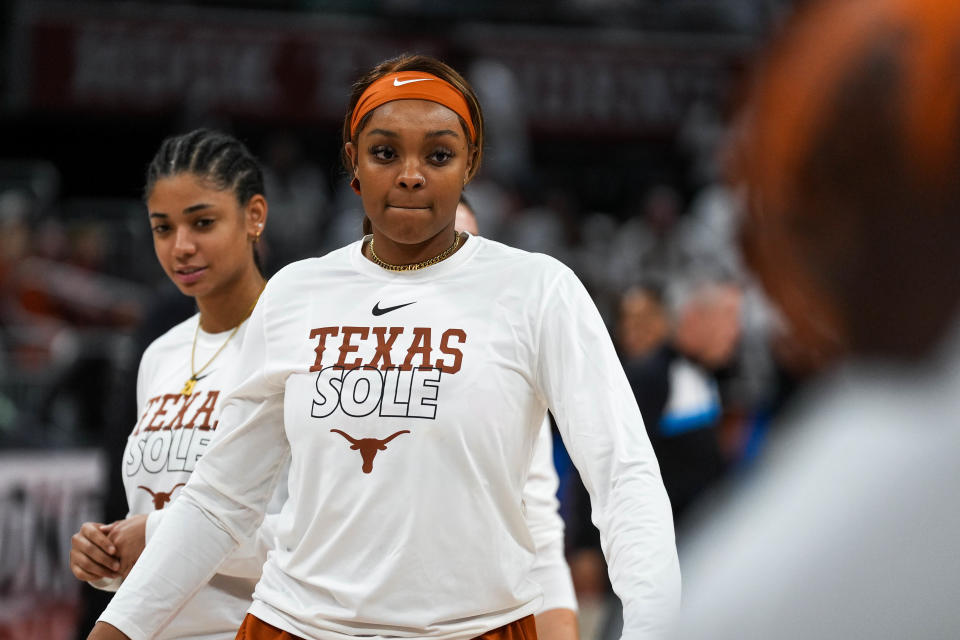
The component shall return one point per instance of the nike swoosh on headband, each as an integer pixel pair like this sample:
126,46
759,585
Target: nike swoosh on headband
397,82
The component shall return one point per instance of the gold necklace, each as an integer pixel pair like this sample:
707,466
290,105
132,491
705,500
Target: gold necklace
416,265
194,374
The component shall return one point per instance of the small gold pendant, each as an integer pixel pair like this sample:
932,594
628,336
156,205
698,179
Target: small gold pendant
188,386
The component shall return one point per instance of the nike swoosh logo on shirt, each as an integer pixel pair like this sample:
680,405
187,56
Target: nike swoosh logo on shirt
377,311
397,82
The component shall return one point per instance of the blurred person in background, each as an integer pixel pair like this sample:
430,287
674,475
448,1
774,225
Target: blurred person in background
848,526
206,205
643,330
695,363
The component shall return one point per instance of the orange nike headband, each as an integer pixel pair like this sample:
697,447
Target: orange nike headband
412,85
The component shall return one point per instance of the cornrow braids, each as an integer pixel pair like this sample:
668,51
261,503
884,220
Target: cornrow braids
213,156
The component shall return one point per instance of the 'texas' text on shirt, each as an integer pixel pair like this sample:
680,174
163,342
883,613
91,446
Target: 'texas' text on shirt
419,351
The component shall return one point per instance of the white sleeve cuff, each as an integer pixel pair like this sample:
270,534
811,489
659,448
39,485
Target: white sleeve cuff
128,628
553,575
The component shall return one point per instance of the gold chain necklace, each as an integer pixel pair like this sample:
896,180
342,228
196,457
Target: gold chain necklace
194,374
416,265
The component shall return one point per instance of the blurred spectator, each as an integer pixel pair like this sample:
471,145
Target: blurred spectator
643,324
848,526
707,317
707,321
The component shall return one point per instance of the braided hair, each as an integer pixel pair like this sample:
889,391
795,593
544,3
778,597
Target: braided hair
213,156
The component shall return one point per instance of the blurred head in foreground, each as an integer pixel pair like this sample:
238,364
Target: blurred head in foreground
846,527
852,157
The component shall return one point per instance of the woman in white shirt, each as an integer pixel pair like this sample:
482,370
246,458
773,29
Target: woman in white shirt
207,210
404,379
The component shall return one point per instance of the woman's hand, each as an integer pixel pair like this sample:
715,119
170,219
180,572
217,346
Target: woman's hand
104,631
92,554
130,537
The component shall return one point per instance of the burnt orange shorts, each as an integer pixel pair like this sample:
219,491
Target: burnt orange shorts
256,629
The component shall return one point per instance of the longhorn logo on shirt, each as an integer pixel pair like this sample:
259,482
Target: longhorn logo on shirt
161,498
368,447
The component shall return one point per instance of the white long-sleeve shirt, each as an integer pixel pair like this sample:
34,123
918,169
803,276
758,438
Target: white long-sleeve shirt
407,405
